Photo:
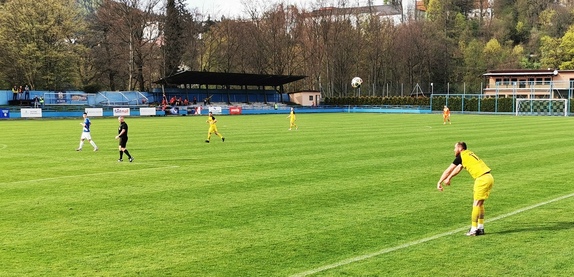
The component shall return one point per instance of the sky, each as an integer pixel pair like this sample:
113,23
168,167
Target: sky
235,8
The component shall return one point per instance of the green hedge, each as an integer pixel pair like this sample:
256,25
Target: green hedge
472,104
377,101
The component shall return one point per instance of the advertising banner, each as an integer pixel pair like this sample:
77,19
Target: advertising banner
121,111
4,113
31,112
215,110
235,110
60,98
94,112
79,98
147,111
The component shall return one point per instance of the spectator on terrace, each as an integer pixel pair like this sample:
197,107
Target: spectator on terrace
20,93
27,92
163,103
185,102
14,93
195,100
36,101
172,100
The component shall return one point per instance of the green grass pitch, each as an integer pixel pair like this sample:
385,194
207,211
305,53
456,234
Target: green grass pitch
273,202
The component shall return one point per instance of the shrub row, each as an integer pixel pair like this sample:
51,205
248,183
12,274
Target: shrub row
473,104
377,101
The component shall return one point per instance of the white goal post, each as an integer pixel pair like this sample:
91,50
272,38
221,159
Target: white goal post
555,107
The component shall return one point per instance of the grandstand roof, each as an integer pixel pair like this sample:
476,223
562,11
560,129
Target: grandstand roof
232,79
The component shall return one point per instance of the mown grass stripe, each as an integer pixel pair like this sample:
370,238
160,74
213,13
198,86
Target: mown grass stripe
416,242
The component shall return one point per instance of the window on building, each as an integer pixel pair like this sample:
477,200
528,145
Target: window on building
547,81
310,97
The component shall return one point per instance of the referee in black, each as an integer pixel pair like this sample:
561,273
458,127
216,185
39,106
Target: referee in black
123,137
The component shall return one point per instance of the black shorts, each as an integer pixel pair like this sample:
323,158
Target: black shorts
123,142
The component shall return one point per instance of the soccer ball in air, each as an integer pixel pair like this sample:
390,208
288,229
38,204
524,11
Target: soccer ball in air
356,82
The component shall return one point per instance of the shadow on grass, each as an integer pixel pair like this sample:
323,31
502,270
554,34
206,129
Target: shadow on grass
549,226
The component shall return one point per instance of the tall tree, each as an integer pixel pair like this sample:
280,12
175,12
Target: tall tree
39,42
173,42
135,28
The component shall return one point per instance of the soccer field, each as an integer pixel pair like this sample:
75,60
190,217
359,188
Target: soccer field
345,195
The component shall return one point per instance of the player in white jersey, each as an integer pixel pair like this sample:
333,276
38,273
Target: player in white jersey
86,133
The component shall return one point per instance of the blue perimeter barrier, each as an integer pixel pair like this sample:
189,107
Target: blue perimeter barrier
319,109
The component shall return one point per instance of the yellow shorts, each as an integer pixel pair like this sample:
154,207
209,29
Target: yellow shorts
212,129
482,186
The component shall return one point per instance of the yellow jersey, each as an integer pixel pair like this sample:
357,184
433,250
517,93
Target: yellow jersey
472,163
446,112
292,115
211,120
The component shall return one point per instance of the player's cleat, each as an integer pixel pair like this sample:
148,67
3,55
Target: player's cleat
480,232
79,149
131,159
471,233
222,139
207,140
289,129
120,160
96,149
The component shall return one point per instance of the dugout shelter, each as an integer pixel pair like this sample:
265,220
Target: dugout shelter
225,87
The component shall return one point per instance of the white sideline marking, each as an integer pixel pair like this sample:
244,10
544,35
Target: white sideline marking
89,174
412,243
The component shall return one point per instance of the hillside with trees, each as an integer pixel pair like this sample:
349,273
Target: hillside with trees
128,44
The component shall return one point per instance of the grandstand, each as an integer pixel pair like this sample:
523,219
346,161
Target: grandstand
227,88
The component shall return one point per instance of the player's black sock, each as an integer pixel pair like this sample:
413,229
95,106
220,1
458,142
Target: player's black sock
121,154
128,153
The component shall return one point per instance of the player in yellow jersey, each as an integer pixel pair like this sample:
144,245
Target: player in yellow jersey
292,119
483,182
446,115
212,128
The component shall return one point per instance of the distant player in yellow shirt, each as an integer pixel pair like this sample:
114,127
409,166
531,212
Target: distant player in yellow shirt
446,115
212,128
292,119
483,182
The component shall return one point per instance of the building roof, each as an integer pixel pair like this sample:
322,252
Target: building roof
304,91
522,72
228,79
379,10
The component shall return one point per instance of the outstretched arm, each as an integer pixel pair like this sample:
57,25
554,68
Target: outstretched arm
448,173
